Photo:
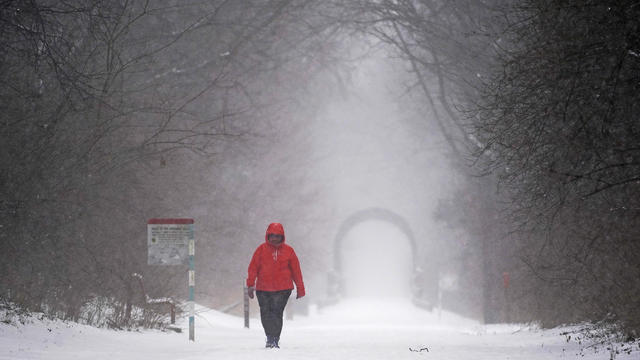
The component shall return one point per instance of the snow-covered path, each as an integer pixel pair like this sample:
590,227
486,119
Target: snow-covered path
345,331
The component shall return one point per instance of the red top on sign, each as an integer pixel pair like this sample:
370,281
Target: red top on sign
170,221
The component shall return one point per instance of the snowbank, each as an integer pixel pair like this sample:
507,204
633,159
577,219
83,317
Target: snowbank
353,329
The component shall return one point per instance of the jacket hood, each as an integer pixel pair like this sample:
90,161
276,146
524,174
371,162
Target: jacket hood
274,228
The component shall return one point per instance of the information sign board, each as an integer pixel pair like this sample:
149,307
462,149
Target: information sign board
168,241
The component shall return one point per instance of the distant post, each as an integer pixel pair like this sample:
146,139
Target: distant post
172,242
505,284
245,297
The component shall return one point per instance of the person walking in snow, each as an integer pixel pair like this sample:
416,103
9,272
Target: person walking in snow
276,267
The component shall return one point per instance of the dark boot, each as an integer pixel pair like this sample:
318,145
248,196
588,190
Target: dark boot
269,343
275,342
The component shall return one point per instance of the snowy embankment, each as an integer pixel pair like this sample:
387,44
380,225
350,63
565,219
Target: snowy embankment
350,330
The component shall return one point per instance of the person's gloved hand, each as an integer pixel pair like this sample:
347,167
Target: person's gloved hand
250,291
299,293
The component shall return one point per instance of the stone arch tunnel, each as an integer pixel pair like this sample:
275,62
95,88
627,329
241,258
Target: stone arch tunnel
336,277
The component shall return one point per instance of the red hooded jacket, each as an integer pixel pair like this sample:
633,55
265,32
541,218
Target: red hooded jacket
276,267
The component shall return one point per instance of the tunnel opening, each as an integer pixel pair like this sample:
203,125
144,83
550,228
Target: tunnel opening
376,261
379,259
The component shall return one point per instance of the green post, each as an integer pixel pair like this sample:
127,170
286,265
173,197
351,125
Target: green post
192,283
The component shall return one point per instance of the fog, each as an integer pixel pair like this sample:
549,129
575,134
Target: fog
372,151
443,152
377,262
368,148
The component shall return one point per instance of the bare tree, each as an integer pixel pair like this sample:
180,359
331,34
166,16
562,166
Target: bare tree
93,92
561,124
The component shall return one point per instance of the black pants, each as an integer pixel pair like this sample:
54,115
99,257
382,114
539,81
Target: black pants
272,305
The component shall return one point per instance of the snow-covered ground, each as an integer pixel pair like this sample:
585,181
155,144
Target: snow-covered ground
353,329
